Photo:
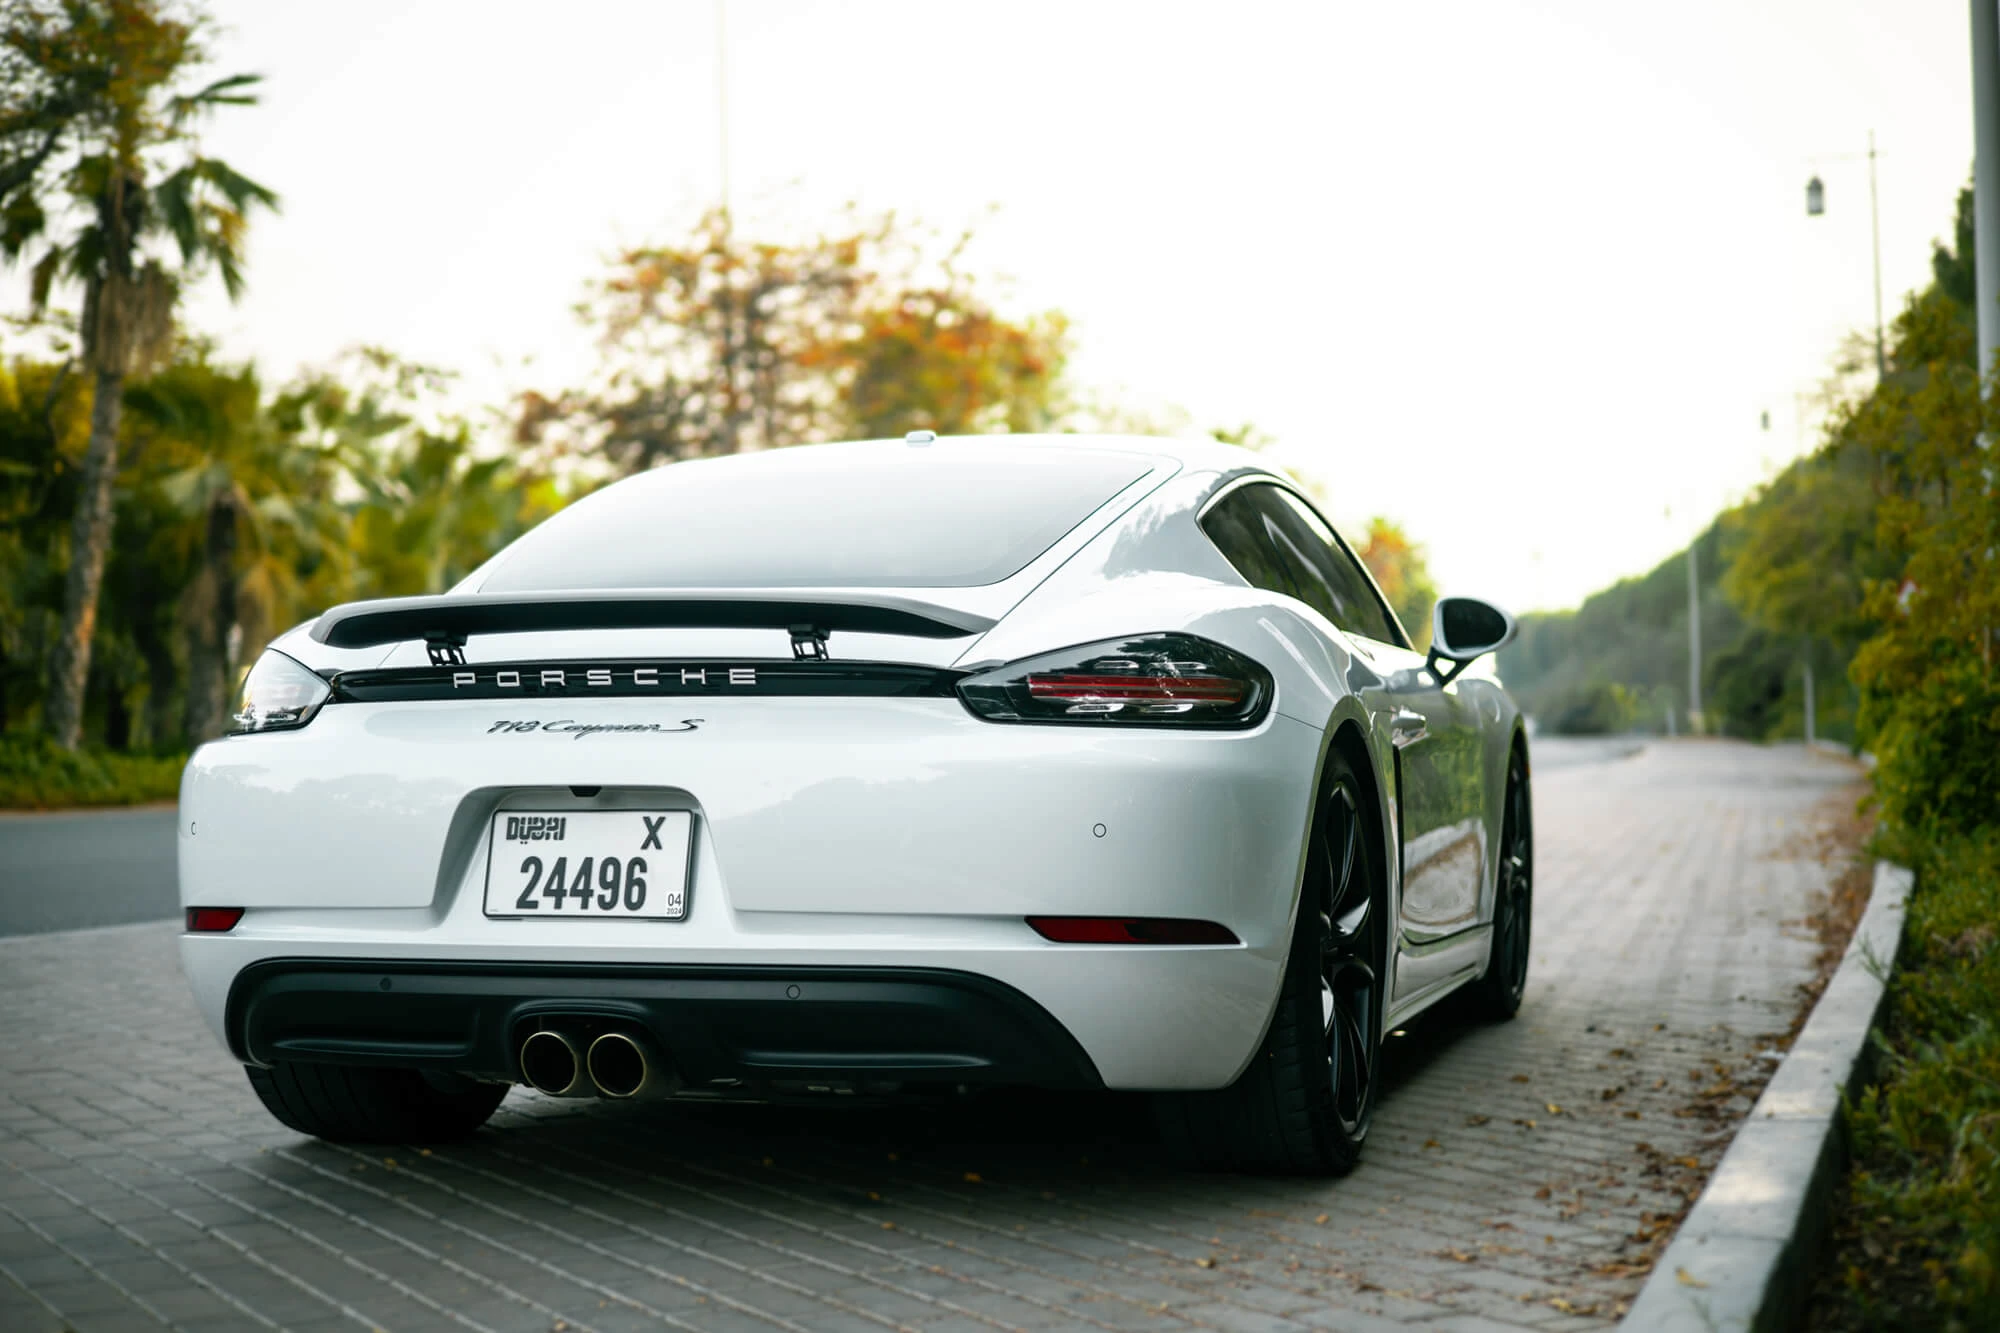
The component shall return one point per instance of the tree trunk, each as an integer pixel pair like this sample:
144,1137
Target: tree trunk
159,659
89,545
208,655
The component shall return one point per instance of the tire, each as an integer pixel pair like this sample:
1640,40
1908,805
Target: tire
1304,1105
352,1104
1496,997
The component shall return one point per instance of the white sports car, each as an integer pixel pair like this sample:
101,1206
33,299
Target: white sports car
863,769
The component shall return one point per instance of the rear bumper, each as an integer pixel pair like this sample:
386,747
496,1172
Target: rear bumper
874,834
763,1030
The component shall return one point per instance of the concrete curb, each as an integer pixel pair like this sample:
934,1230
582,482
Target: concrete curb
1743,1258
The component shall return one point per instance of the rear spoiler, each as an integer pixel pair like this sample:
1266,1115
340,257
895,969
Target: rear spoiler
444,623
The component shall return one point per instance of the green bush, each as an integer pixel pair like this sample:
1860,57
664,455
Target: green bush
1596,708
36,774
1937,749
1920,1243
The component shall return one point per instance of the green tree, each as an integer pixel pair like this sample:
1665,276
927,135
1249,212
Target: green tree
44,424
434,506
721,343
935,355
1930,685
102,184
255,521
1404,575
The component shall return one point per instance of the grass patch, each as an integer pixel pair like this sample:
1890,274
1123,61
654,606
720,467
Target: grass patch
37,774
1916,1242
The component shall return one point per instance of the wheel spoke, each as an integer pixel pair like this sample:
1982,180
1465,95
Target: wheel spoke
1347,925
1352,1066
1348,898
1358,1071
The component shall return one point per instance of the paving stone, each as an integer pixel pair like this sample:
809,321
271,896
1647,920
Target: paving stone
1664,883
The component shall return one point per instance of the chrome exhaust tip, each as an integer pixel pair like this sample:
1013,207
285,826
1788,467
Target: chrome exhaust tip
627,1066
551,1064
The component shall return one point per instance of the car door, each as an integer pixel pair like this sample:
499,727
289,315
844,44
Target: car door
1287,547
1444,838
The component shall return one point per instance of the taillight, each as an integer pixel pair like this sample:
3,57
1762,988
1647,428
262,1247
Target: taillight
1174,680
213,920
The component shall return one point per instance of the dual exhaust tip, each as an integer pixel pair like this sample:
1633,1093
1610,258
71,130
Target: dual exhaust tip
617,1064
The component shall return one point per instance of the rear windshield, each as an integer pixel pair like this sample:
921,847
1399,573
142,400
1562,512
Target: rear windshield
953,514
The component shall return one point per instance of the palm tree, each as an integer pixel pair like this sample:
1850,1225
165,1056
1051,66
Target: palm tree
102,181
256,521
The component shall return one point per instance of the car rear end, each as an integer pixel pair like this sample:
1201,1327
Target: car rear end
744,833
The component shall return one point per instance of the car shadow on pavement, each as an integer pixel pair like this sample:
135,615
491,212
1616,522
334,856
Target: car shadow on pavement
1036,1130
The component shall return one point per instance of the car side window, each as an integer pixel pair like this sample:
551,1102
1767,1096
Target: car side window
1238,530
1304,538
1258,526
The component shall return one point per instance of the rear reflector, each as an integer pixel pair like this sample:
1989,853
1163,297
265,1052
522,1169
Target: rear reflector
213,920
1130,930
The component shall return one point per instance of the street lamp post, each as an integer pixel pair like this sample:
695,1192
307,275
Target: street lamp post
1816,205
1694,641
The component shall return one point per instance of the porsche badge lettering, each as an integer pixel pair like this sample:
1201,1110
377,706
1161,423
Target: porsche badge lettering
604,678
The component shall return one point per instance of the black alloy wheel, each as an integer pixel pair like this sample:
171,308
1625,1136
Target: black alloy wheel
1304,1104
1350,981
1498,995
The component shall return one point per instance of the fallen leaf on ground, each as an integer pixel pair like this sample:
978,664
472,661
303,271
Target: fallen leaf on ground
1520,1078
1687,1279
1477,1119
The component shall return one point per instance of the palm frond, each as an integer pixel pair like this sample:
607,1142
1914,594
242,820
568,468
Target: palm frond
21,221
41,278
188,490
230,270
223,92
241,192
173,198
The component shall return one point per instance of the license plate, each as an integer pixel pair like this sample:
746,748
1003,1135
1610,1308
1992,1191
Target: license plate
589,863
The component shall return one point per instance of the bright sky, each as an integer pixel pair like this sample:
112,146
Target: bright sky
1521,276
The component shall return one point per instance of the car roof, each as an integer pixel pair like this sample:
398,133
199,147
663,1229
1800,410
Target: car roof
1192,451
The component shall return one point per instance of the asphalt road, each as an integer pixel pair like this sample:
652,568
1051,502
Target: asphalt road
84,868
1519,1176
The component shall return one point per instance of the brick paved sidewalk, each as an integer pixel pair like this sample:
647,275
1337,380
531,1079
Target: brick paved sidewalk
1515,1172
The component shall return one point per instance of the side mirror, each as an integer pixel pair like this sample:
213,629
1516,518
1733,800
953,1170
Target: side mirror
1465,628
